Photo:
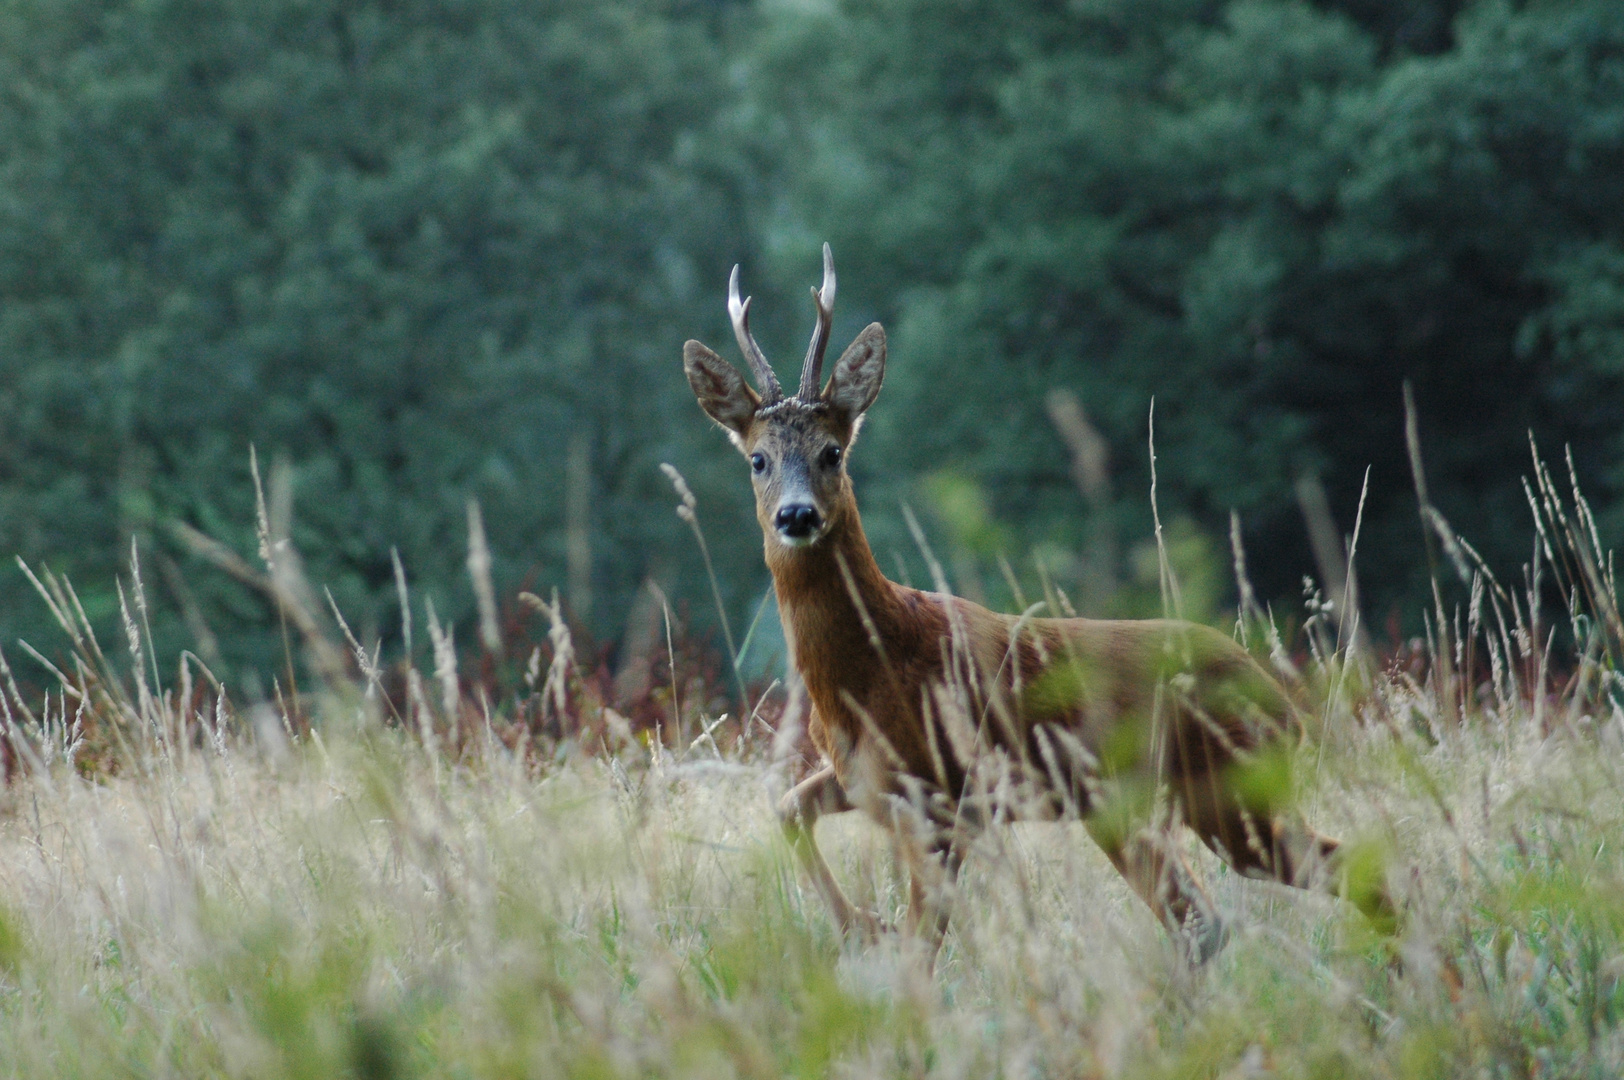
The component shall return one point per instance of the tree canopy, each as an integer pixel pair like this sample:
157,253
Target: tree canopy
433,251
1266,215
424,252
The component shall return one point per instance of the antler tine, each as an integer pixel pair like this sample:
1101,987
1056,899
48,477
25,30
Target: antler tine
824,298
740,314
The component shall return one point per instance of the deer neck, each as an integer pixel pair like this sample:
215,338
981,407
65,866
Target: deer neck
833,599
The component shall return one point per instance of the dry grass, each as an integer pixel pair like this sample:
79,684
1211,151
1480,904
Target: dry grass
350,904
430,888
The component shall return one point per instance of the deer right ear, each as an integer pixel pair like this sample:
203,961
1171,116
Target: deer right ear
858,374
721,390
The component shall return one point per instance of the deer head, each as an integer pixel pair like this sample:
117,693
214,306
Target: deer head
796,446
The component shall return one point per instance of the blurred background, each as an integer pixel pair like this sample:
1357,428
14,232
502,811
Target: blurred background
422,252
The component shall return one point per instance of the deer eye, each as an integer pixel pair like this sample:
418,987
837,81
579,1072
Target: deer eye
831,457
758,462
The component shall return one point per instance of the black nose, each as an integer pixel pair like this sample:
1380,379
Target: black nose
797,521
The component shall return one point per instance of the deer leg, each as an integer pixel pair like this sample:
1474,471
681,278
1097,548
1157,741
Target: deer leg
1152,864
932,834
933,874
1283,848
798,812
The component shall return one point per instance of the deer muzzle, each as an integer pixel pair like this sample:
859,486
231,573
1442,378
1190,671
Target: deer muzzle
798,523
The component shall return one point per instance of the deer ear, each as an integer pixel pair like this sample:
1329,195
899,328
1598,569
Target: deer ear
721,390
858,374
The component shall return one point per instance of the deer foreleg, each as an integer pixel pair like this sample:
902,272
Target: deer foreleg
798,812
931,834
933,875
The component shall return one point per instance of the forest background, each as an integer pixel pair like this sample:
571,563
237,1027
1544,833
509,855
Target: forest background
432,251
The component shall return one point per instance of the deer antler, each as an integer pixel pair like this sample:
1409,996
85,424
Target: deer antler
824,298
740,314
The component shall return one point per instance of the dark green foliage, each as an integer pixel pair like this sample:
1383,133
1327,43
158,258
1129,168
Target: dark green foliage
1266,215
421,250
413,249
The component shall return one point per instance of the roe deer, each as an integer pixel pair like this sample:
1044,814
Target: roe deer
935,715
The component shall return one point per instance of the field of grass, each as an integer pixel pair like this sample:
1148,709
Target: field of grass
395,876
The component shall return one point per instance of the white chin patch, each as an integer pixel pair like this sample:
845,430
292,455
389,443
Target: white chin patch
799,541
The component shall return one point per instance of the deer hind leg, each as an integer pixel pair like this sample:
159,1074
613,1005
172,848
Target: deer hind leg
798,812
1279,845
1149,858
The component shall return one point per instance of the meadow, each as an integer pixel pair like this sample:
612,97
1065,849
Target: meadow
383,871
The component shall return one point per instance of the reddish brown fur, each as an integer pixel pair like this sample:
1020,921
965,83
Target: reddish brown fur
862,694
913,692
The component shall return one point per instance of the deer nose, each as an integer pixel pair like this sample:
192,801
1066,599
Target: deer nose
797,521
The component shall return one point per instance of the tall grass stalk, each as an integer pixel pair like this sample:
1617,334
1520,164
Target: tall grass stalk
381,881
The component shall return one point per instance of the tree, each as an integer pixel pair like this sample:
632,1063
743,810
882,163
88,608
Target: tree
1262,213
417,250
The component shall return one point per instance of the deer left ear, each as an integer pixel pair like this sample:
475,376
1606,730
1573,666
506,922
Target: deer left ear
858,374
721,390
